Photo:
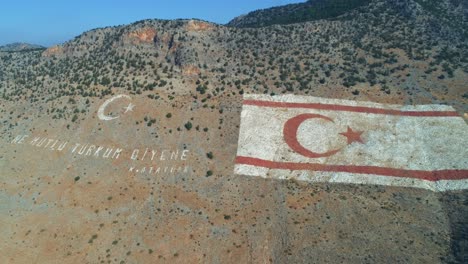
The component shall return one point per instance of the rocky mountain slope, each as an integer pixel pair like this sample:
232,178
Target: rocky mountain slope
186,79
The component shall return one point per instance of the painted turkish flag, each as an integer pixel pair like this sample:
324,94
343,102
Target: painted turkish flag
330,140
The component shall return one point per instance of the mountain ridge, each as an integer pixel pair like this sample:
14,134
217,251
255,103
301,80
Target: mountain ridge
20,46
296,13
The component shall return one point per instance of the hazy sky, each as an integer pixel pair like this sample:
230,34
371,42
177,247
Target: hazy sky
53,22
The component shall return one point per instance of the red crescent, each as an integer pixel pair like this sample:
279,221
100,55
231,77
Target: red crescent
290,136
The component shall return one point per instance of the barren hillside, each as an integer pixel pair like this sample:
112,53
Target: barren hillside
184,80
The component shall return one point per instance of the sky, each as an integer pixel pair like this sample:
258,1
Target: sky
50,22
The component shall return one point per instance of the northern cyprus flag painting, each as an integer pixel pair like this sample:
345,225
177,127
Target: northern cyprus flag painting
329,140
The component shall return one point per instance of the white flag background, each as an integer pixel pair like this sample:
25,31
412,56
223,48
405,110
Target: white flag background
318,139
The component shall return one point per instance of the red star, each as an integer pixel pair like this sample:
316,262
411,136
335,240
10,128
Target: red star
353,136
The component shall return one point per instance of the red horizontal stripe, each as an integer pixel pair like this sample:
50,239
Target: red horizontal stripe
402,173
348,108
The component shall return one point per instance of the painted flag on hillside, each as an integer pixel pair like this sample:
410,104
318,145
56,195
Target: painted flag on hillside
329,140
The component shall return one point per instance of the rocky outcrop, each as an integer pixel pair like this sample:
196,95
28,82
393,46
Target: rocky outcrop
53,51
142,35
194,25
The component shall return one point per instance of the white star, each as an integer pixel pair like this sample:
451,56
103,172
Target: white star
129,108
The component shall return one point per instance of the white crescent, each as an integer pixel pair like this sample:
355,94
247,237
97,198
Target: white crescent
102,108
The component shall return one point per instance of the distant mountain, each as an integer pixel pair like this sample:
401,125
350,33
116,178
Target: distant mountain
18,46
295,13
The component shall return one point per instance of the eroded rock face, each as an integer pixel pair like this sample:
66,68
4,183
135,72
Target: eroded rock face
52,51
194,25
143,35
